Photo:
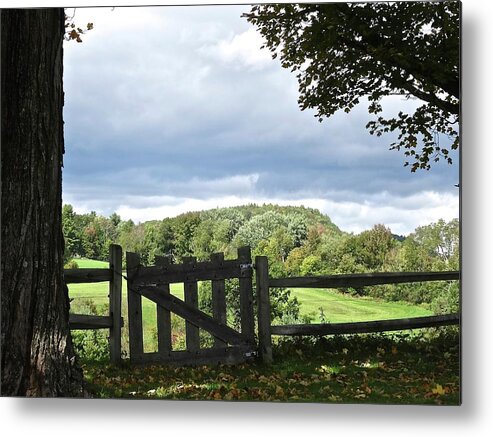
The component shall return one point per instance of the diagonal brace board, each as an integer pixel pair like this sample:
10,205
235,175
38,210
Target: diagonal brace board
193,315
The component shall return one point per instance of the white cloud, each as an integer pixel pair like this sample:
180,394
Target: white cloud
234,184
242,50
401,215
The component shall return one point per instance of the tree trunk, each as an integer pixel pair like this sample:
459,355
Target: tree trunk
37,353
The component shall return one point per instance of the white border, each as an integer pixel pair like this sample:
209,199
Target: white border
95,417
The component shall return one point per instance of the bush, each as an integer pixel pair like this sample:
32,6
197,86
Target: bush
91,345
71,264
447,301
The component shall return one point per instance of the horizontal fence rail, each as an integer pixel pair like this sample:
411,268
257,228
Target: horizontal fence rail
366,327
83,321
87,276
361,279
222,355
194,271
266,329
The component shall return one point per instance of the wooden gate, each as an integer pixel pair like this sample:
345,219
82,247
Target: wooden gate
153,282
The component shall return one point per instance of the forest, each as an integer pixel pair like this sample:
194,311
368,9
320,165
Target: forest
298,241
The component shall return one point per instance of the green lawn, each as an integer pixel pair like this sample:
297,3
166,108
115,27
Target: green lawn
84,263
339,308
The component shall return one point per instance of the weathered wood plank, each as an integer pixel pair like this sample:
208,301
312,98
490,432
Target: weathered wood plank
362,279
82,276
175,273
163,315
136,335
85,321
218,298
193,315
190,291
367,327
115,296
263,302
246,293
213,356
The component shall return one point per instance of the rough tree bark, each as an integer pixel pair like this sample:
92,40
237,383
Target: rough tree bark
37,353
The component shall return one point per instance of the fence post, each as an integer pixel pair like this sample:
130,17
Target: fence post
115,297
218,297
135,332
191,297
246,293
163,316
264,323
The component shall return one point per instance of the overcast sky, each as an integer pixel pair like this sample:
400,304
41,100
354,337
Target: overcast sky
172,109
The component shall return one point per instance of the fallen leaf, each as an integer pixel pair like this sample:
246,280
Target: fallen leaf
438,390
279,391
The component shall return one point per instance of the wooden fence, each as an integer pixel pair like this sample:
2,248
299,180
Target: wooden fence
113,321
229,345
266,330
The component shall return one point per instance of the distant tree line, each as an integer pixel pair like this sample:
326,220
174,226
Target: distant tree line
298,241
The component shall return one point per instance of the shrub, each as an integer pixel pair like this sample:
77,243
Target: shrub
283,305
91,345
71,264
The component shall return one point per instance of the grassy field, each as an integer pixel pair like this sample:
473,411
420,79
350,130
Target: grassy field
339,308
84,263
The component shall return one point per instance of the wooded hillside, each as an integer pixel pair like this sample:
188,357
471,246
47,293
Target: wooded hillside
298,241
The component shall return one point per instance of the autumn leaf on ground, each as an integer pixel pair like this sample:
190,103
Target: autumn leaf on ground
264,379
233,394
438,390
225,377
215,394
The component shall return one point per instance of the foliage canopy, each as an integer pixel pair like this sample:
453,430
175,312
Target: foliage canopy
344,52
